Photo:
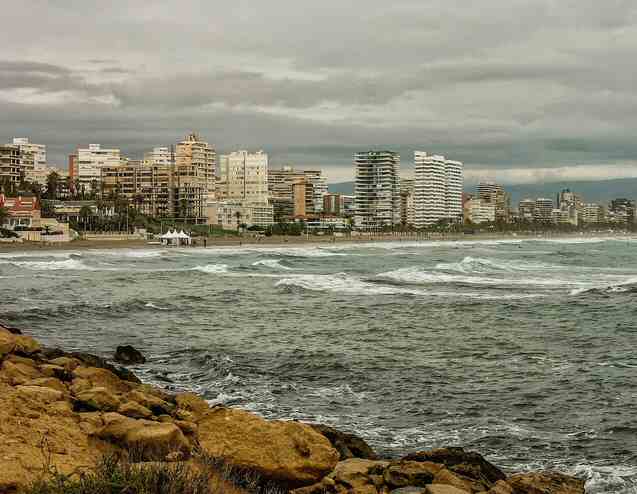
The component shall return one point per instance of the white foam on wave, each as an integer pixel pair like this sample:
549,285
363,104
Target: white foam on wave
212,268
482,265
40,254
67,264
619,479
129,253
342,283
150,305
416,275
310,251
272,263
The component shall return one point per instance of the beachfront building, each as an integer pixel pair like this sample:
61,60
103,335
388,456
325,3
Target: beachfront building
90,162
479,211
159,156
593,213
622,211
526,210
11,167
232,215
493,193
438,185
148,188
543,210
193,178
377,189
37,151
243,176
296,193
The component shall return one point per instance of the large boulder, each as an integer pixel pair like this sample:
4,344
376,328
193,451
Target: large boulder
348,445
25,345
128,355
359,476
153,403
102,378
290,453
97,399
410,473
443,489
467,464
7,342
545,483
145,440
196,406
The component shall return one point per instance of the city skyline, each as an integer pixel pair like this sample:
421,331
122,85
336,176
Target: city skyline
546,98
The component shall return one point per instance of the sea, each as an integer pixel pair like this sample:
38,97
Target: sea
521,349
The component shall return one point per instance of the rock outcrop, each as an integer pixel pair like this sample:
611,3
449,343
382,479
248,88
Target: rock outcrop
63,411
128,355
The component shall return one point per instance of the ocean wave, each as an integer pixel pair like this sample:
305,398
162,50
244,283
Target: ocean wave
303,252
273,264
67,264
480,265
153,306
415,275
212,268
627,286
342,283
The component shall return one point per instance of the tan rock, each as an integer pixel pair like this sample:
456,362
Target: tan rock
444,476
40,394
154,404
68,363
61,408
25,345
288,452
98,399
410,473
134,410
545,483
103,378
145,439
186,427
18,372
50,370
359,475
443,489
48,382
156,392
501,487
7,342
192,403
78,385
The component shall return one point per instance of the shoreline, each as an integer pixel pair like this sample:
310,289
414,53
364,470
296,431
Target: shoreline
77,407
315,240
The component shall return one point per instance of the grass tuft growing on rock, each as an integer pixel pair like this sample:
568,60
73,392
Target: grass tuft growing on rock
114,476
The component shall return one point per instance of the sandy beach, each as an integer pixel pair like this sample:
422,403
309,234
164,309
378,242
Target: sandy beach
297,240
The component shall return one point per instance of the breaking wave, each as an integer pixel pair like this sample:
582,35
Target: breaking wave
479,265
67,264
273,264
212,268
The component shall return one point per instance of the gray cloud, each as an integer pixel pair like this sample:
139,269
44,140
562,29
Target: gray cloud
517,84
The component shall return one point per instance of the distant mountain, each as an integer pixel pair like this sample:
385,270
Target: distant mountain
600,191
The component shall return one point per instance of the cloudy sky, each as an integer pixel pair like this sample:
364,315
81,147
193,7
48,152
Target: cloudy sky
520,90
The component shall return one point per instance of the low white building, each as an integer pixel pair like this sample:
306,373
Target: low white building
91,160
230,215
479,211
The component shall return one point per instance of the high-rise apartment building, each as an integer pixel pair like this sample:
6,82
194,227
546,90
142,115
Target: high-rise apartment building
492,193
243,176
622,211
479,211
593,214
437,189
543,210
194,177
90,162
526,210
159,156
288,187
11,167
38,151
377,189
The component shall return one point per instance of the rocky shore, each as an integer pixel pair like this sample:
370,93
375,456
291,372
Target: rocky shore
61,413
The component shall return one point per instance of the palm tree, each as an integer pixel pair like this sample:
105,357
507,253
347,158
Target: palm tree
238,216
52,185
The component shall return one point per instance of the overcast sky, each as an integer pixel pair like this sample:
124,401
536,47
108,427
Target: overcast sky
519,90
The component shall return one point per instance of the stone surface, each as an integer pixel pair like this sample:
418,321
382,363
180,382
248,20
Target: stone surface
447,477
192,403
360,476
288,452
468,464
39,394
102,378
18,372
443,489
410,473
97,399
154,404
348,445
134,410
7,342
545,483
48,382
25,345
128,355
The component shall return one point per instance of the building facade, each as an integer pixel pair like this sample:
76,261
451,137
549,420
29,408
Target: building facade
377,189
543,210
38,151
194,177
479,211
438,185
407,203
296,193
495,194
243,176
90,162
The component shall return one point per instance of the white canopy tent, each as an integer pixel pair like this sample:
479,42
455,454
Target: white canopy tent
175,238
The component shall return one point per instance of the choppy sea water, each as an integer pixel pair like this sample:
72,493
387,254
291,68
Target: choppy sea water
524,350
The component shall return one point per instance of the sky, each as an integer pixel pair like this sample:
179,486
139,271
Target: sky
521,91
